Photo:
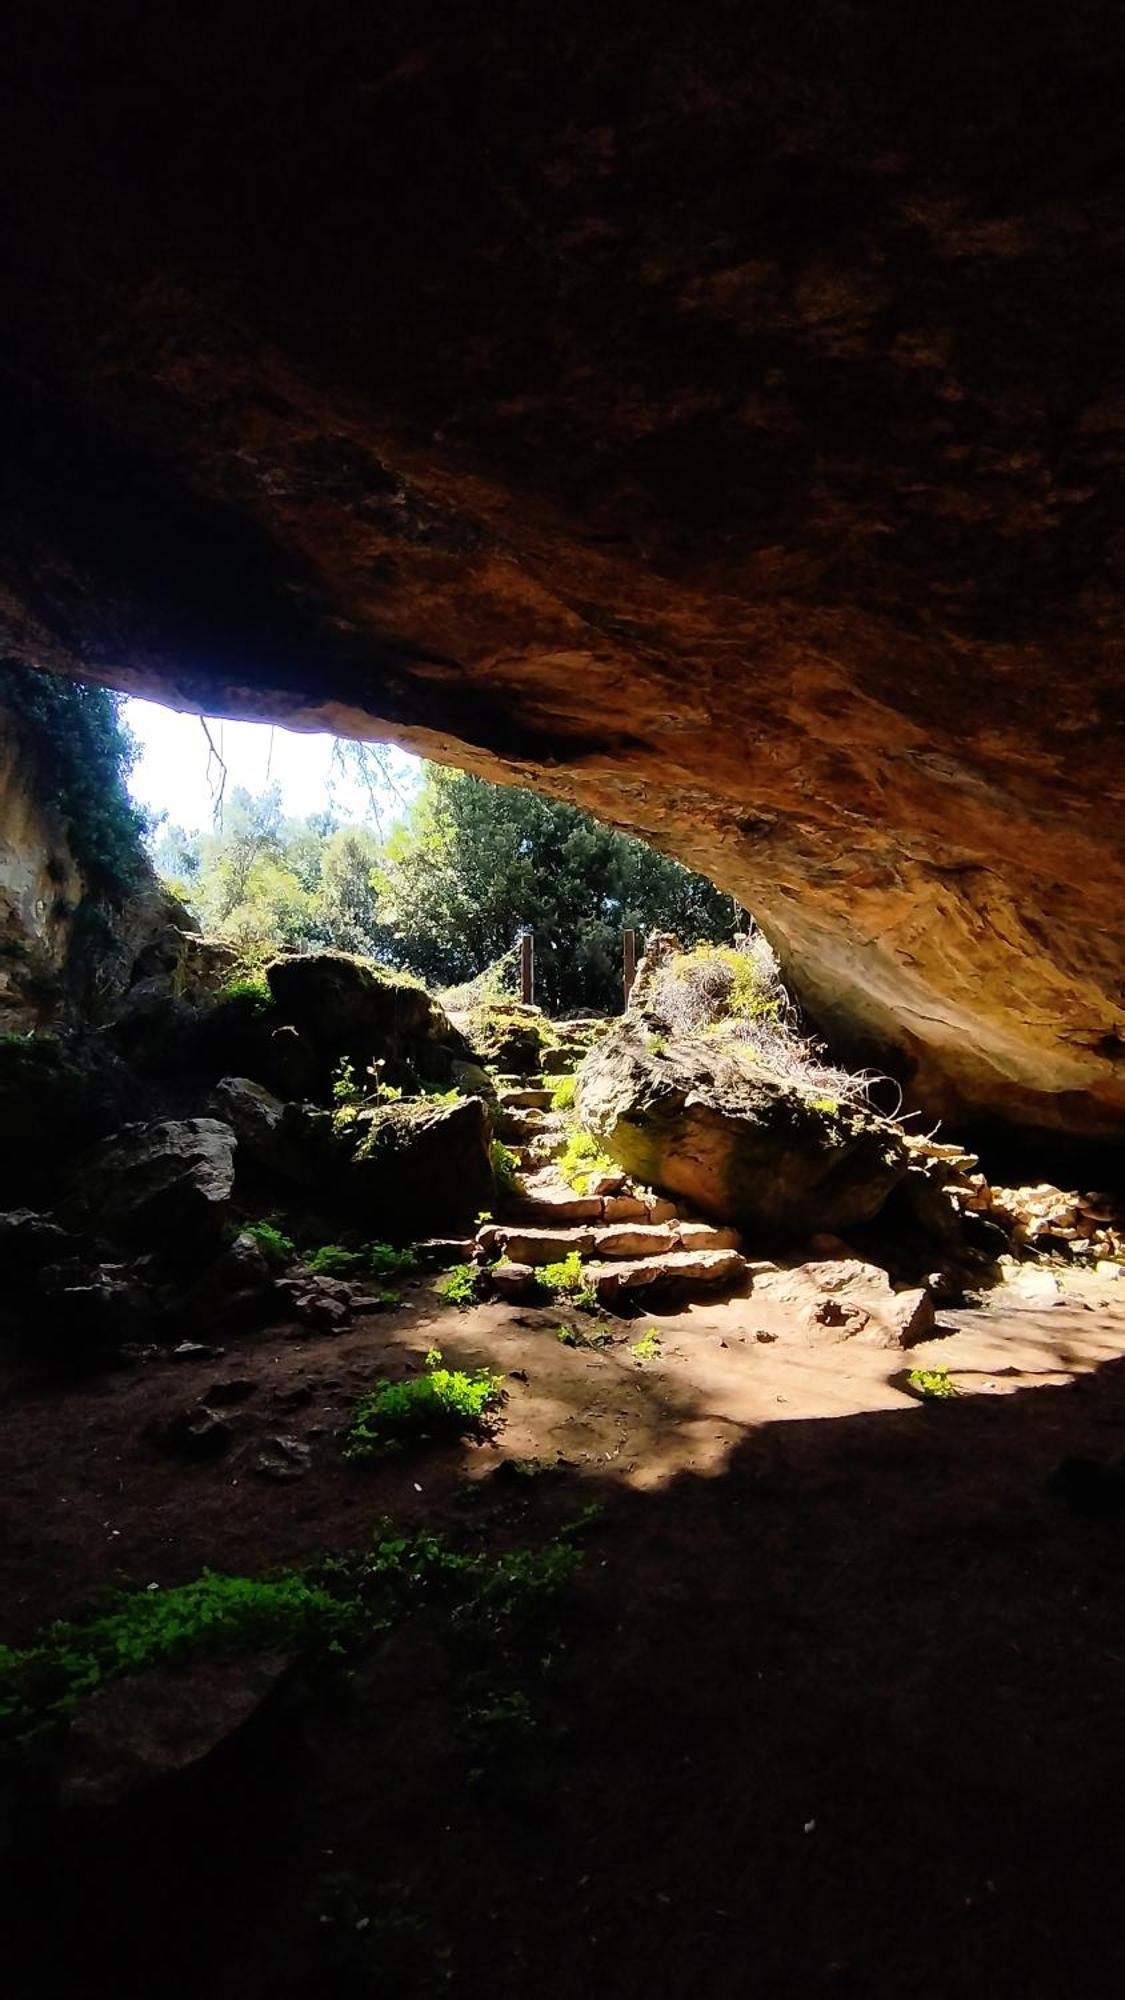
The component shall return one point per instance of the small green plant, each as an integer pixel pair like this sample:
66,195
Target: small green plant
442,1403
380,1261
826,1104
934,1385
251,988
505,1167
649,1347
42,1683
568,1280
562,1096
582,1160
574,1336
459,1286
275,1246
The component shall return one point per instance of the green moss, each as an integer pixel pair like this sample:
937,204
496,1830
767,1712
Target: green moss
505,1167
276,1247
562,1096
582,1160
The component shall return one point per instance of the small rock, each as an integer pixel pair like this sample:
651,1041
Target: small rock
283,1458
235,1389
196,1433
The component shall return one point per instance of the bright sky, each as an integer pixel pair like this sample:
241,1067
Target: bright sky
171,776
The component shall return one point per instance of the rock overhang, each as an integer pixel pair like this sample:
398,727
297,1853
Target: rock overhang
715,422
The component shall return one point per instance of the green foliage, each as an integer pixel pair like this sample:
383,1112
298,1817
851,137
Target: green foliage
474,864
253,990
582,1160
505,1167
335,1603
84,754
379,1260
460,1286
934,1385
276,1247
442,1403
41,1683
562,1096
649,1347
572,1336
568,1280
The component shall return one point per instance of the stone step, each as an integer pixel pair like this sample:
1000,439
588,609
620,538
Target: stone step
526,1098
676,1276
538,1243
517,1127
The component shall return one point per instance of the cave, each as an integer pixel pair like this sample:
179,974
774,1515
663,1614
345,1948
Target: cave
716,421
691,1571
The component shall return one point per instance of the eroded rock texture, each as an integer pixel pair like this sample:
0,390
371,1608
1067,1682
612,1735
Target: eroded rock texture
712,413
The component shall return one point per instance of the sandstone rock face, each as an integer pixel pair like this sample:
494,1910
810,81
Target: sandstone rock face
695,1120
713,415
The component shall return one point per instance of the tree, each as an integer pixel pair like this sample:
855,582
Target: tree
474,864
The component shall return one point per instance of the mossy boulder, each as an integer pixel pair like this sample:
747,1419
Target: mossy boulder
347,1008
508,1036
419,1168
702,1122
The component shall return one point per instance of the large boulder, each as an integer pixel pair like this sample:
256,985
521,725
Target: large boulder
419,1168
703,1122
348,1008
167,1184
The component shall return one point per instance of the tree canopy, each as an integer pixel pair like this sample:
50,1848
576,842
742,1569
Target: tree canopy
448,891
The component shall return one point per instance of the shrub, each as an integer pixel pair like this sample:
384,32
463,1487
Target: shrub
460,1286
504,1167
379,1260
251,989
276,1247
442,1403
43,1682
649,1347
934,1385
568,1280
582,1160
562,1096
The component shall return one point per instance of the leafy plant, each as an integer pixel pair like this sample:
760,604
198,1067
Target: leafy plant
380,1260
442,1403
43,1682
934,1385
562,1096
568,1280
460,1286
276,1247
505,1167
582,1160
649,1347
253,988
84,753
574,1336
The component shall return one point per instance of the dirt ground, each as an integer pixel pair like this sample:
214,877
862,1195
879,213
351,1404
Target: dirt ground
834,1706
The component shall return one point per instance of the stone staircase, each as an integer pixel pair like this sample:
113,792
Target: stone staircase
633,1242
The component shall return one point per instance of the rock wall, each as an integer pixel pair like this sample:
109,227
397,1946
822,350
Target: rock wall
714,415
41,888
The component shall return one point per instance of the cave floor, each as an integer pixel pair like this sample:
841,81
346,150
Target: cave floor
834,1705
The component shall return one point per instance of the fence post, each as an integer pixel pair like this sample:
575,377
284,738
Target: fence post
527,969
630,963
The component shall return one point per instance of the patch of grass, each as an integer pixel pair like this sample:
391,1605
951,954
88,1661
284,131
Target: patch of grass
649,1347
562,1096
568,1280
505,1167
582,1160
442,1403
42,1683
934,1385
460,1286
277,1248
339,1601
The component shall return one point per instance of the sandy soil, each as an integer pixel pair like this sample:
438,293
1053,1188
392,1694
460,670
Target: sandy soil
834,1706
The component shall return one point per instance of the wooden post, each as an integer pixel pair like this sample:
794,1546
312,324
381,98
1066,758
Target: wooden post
630,962
527,969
